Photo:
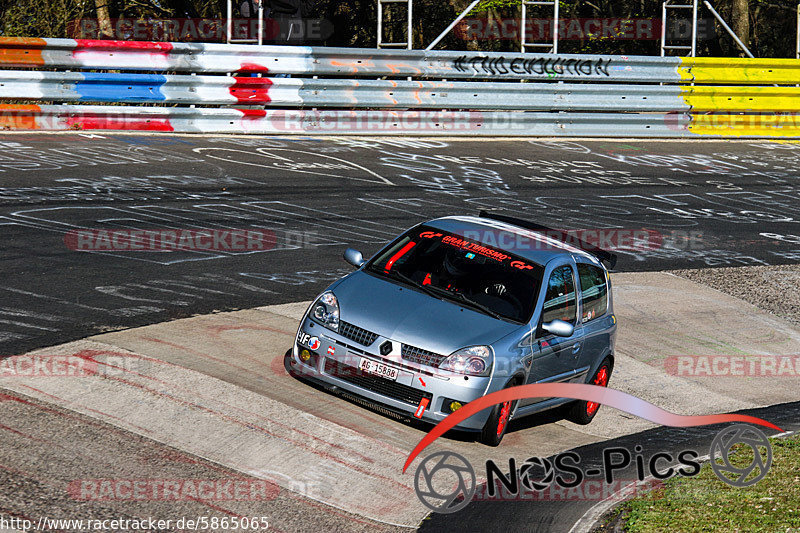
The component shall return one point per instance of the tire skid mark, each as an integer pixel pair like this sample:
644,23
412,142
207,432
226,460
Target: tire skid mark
244,411
64,401
193,351
277,361
70,416
260,429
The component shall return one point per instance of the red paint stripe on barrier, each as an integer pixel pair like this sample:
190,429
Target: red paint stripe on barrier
591,393
248,90
147,46
91,121
251,116
252,67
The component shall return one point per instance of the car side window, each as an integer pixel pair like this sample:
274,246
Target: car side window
559,302
594,291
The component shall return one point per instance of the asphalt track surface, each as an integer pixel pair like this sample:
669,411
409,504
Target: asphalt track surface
710,203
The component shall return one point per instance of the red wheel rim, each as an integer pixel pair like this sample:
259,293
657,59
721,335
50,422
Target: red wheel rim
505,410
601,380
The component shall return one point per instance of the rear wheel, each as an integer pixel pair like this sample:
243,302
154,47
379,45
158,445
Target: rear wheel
582,412
495,428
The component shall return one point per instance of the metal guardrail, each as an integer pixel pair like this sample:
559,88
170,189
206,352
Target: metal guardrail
388,94
295,92
342,122
564,94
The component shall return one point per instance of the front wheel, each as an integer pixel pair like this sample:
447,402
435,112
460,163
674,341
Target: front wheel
495,427
582,412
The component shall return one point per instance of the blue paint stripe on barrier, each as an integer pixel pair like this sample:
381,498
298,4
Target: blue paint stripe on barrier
112,87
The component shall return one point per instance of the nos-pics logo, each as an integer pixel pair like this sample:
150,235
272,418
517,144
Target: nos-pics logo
445,481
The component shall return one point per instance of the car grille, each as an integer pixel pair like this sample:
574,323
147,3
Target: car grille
355,333
378,385
420,356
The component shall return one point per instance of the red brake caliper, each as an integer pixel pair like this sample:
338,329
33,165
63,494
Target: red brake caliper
601,379
504,412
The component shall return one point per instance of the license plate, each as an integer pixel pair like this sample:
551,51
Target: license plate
378,369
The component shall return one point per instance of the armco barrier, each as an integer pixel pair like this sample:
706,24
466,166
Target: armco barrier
339,122
448,93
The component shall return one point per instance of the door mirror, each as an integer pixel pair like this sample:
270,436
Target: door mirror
559,328
354,257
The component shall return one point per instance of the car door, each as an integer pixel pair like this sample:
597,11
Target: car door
554,358
594,299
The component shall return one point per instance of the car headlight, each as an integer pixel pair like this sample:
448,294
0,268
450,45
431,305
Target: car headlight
472,361
325,311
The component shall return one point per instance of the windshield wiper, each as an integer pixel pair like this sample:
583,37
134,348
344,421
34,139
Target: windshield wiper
431,289
397,275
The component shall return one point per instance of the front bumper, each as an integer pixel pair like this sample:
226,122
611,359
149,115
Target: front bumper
336,359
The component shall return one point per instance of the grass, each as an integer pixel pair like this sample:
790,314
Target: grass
704,503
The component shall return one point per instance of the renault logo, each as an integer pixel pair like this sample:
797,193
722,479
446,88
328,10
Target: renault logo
386,348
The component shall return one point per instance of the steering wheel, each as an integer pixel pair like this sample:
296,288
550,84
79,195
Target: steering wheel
497,289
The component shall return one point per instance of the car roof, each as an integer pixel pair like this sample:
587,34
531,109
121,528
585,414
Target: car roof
531,245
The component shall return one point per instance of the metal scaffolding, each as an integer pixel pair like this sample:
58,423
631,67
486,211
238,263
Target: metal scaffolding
409,4
259,39
667,8
797,50
672,5
525,44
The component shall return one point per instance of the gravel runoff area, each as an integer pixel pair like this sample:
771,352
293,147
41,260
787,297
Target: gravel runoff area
775,289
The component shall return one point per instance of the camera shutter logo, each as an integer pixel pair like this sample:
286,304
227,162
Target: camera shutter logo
537,464
441,479
720,460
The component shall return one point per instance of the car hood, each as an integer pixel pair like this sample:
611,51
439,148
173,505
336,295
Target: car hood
406,315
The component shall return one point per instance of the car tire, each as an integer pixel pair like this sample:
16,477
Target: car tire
287,363
582,412
495,427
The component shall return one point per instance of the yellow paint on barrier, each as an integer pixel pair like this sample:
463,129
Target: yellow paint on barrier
740,70
743,110
746,125
722,98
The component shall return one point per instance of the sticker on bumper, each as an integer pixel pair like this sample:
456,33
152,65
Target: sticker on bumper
423,404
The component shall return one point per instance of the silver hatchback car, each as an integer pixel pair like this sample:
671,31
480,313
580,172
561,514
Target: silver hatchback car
457,308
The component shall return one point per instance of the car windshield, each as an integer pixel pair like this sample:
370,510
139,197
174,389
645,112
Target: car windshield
468,272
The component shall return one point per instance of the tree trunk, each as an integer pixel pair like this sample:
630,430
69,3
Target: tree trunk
740,21
104,19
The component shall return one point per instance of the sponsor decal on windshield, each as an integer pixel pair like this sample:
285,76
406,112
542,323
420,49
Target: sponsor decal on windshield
473,248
